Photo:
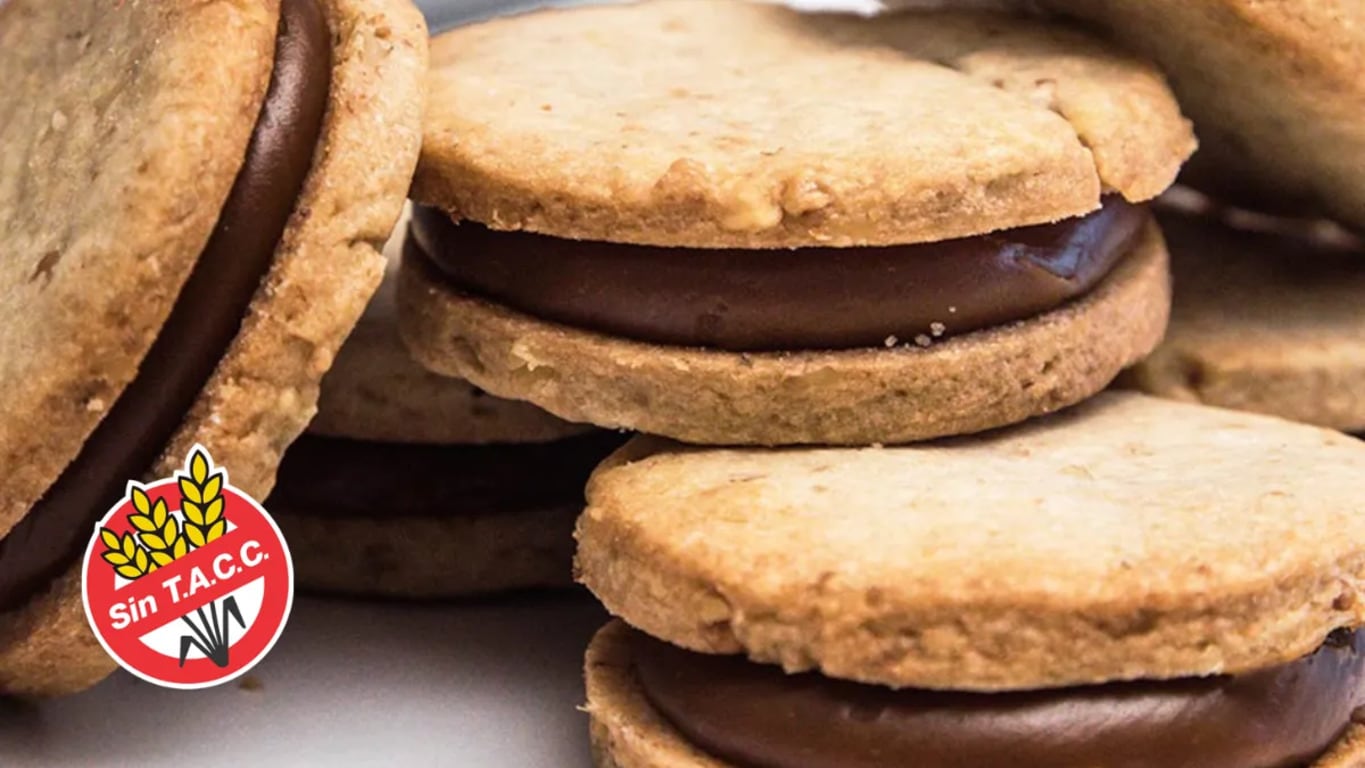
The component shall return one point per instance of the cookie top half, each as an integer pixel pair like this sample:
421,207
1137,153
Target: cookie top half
1128,538
714,123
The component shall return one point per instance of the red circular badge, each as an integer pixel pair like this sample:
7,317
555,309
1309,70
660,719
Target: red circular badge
187,581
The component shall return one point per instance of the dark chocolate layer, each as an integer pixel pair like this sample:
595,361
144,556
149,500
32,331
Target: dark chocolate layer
206,316
756,716
808,298
334,477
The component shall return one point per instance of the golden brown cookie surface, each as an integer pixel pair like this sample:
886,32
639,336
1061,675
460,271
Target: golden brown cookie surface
1127,538
111,180
714,123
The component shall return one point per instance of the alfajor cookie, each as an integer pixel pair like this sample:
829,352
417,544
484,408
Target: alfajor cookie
193,196
414,485
1276,92
1133,582
1263,321
732,223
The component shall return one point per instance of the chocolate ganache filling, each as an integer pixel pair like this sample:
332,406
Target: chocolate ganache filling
771,300
203,322
336,477
756,716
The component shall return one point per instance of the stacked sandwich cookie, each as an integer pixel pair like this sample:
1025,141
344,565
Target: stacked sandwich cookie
731,223
1135,582
192,200
414,485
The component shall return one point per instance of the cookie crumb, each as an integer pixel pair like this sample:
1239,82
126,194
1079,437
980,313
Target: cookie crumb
938,329
251,683
923,340
59,120
952,310
95,405
891,341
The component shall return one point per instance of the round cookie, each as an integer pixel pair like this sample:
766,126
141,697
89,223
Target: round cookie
141,315
1263,321
1276,92
773,138
1126,542
413,485
1129,537
750,126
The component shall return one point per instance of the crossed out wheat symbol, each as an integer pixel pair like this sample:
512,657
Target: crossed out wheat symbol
162,538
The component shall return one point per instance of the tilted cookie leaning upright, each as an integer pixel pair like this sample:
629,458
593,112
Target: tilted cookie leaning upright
192,200
1133,582
414,485
729,223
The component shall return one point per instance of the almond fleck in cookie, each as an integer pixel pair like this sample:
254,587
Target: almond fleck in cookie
414,485
192,200
1263,321
732,223
1134,582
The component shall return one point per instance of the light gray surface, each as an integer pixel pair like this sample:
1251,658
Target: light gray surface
349,684
442,14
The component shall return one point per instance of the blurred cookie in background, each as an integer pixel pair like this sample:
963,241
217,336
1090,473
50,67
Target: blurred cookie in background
1268,317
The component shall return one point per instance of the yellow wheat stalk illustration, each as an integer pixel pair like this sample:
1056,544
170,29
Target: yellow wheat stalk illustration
161,538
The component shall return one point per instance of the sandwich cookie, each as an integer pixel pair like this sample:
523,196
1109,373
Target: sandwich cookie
731,223
1276,92
1134,582
1263,321
193,197
410,484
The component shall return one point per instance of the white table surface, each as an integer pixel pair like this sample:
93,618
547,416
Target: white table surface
490,683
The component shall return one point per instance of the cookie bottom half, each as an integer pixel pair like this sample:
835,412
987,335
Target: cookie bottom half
628,731
428,521
431,557
966,384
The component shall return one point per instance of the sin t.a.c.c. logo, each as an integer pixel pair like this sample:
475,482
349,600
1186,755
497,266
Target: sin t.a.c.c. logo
187,580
